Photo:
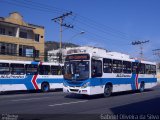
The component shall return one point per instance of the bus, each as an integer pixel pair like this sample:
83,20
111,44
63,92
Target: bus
30,75
95,71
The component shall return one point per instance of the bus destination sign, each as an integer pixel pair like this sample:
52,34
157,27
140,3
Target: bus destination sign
78,57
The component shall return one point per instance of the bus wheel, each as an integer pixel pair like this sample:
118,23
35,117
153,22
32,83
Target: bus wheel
107,90
45,87
142,87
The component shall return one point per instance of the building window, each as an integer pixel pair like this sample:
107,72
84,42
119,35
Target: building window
2,31
23,34
37,37
3,49
26,51
20,51
10,33
29,52
8,48
36,53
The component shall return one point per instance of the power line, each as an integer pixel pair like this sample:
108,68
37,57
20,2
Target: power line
46,6
80,19
156,52
141,46
101,29
60,21
112,32
28,6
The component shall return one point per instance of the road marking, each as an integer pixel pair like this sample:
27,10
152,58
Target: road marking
67,103
29,99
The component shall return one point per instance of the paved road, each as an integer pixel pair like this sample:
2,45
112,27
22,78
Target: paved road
59,105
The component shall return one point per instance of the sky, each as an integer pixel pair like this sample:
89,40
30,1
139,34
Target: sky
110,24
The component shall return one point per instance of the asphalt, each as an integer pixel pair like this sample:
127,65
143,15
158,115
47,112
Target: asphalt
58,105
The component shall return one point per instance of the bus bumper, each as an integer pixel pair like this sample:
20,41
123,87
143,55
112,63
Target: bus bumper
77,90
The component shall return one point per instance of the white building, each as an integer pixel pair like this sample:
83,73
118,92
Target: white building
53,55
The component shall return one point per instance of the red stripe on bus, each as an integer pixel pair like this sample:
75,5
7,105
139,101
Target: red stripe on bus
34,82
136,81
34,79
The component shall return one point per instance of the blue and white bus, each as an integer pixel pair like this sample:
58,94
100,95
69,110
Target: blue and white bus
27,75
95,71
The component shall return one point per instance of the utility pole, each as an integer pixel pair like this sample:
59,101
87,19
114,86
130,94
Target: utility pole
141,46
60,21
156,52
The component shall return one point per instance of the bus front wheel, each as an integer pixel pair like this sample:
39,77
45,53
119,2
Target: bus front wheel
107,90
45,87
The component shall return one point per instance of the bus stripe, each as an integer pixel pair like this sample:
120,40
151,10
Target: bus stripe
34,82
136,81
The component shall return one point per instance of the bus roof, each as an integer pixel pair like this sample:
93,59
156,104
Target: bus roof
102,53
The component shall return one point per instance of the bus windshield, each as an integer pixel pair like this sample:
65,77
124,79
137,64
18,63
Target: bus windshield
76,70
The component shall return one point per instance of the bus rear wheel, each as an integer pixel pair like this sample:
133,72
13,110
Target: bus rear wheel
142,87
107,90
45,87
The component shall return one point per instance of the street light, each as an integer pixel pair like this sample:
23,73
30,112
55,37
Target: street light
82,32
60,54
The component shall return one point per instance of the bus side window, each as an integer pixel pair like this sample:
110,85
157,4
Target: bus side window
126,67
4,68
96,68
44,69
148,69
17,69
142,68
153,69
107,65
56,70
117,66
31,69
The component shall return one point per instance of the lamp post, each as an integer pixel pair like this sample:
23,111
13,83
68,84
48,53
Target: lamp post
82,32
60,54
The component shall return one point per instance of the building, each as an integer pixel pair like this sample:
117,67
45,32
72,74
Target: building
20,40
53,55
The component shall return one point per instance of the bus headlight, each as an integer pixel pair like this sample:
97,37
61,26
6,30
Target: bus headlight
86,85
65,84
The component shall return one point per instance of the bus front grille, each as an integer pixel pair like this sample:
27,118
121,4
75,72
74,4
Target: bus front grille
74,90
